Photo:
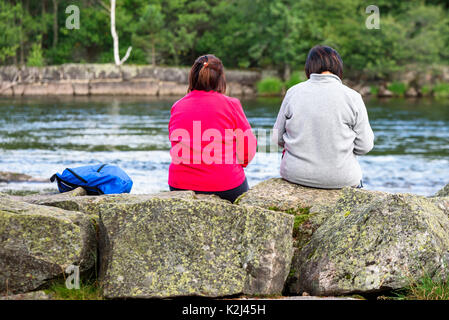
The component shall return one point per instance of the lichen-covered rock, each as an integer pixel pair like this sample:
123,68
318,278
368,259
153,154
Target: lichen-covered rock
443,192
281,195
37,243
158,248
77,200
34,295
442,203
371,244
310,207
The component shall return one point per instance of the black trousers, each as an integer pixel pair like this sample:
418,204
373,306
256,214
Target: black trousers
230,195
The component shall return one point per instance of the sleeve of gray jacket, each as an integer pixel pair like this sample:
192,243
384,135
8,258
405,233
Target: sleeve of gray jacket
279,126
364,141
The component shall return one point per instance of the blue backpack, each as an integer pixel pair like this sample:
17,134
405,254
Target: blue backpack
96,180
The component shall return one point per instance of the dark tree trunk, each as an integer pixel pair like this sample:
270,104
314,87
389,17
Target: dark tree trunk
55,23
153,54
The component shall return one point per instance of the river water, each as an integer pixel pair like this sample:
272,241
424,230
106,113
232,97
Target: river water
42,136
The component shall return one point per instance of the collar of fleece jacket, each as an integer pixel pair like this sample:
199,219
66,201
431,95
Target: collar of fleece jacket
316,77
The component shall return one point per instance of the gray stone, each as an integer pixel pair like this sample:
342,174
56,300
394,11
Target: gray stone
38,243
34,295
384,92
281,195
19,177
411,92
159,248
372,244
108,79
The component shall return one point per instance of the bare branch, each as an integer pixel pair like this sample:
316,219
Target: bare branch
104,5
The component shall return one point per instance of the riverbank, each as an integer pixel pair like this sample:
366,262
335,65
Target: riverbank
107,79
133,80
414,82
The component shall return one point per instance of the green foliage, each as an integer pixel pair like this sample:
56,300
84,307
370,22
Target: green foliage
88,290
374,90
441,90
425,289
295,78
426,90
398,88
9,30
36,58
299,221
244,33
270,86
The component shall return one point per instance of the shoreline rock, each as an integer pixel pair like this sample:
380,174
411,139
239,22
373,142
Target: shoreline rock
38,243
19,177
183,243
164,248
376,246
278,237
108,79
348,241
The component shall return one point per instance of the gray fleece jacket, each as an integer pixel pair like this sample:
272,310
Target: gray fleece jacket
323,126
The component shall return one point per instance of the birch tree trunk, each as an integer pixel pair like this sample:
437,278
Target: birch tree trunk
118,62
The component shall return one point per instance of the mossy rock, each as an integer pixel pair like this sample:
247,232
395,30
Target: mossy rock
443,192
372,244
311,207
38,243
172,247
77,200
281,195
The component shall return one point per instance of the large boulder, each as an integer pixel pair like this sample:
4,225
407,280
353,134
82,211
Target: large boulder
77,200
259,250
168,246
38,243
358,241
311,207
281,195
372,243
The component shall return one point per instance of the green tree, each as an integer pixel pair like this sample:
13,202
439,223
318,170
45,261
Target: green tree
150,31
9,30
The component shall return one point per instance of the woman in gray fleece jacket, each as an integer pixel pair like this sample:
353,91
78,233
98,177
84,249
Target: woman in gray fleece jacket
323,126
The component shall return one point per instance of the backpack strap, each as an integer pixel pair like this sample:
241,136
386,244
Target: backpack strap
89,190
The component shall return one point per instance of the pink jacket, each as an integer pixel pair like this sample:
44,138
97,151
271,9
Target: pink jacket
211,142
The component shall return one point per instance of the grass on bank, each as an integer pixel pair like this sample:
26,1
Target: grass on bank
270,86
441,90
426,90
398,88
89,290
424,289
274,86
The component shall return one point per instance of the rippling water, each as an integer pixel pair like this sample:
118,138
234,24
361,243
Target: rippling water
41,136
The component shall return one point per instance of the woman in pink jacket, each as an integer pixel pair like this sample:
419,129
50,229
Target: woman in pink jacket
210,136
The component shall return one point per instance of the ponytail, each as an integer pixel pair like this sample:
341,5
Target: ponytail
207,74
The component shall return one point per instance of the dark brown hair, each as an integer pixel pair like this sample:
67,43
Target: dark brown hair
207,74
322,58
